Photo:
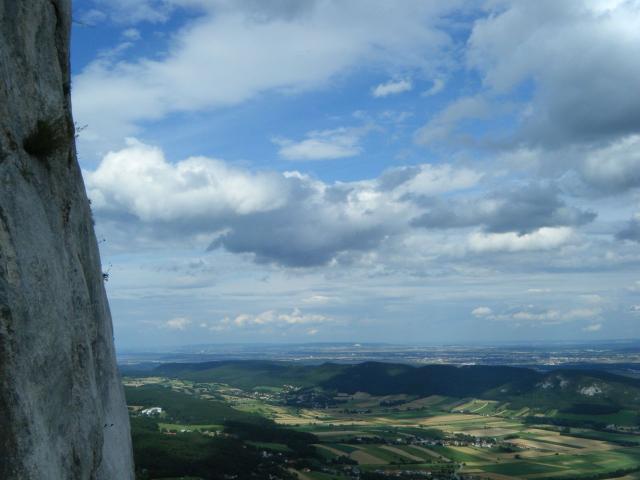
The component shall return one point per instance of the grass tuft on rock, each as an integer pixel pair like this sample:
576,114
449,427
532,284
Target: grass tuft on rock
45,139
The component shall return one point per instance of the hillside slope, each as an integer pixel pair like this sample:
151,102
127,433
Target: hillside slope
556,389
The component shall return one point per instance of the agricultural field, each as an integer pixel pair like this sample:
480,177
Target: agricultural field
366,436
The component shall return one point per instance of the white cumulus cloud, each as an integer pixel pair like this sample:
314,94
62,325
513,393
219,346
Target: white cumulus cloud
178,323
594,327
272,318
323,145
546,238
392,87
235,50
481,312
288,218
139,180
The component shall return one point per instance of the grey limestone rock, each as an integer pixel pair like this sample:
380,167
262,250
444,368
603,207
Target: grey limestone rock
62,409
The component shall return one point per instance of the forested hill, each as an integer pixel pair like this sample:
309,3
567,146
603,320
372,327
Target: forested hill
375,378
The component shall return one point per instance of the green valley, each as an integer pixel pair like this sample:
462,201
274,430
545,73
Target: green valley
377,420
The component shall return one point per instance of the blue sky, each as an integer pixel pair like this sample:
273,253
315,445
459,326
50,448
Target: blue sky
284,171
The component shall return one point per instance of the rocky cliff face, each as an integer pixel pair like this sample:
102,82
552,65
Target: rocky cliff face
62,409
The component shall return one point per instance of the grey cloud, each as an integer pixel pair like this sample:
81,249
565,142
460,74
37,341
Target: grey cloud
615,167
446,122
260,10
631,231
310,230
295,220
523,210
289,219
297,239
323,223
581,58
395,177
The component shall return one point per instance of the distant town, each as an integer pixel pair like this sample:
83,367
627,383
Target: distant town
622,357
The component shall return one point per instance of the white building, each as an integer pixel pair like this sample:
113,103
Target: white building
152,411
